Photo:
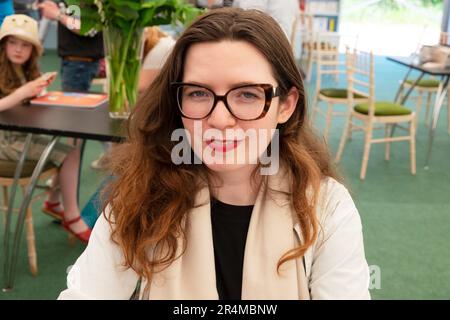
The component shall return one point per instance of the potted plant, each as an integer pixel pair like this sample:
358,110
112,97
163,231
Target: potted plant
122,23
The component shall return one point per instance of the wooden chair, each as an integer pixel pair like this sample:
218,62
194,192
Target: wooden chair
6,180
328,64
428,87
361,80
303,23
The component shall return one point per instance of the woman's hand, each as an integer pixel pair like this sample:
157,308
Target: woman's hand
31,89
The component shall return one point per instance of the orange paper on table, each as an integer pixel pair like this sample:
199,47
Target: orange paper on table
70,99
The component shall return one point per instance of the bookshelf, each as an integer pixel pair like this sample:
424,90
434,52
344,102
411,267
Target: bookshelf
325,12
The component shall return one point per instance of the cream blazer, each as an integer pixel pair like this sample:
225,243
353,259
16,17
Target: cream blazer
333,268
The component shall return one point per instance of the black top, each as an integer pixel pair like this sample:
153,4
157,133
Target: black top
72,44
229,228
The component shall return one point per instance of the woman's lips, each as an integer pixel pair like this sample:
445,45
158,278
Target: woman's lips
222,145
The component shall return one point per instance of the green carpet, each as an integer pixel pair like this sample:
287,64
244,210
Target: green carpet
406,218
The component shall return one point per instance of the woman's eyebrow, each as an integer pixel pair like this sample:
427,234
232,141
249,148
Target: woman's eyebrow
233,85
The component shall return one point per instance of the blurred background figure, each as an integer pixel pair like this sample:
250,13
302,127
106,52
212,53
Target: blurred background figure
283,11
157,47
6,9
27,7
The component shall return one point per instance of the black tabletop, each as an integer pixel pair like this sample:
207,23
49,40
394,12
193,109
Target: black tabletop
93,124
428,67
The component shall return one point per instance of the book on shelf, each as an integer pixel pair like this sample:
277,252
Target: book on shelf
70,99
332,24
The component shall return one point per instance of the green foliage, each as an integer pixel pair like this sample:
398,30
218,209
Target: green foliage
97,14
122,23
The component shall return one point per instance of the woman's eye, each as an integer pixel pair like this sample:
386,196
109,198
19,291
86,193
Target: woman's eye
198,94
249,95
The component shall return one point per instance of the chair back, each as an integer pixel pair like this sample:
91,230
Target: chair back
327,55
361,77
303,23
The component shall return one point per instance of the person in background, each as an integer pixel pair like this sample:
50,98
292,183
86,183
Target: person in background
209,4
157,47
6,9
80,54
21,80
27,7
283,11
213,4
184,219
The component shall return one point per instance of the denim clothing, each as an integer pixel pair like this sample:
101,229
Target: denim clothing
77,75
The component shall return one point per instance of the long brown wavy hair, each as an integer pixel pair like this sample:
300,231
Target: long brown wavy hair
150,196
9,79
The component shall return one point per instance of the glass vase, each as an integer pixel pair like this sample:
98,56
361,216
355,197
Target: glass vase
123,52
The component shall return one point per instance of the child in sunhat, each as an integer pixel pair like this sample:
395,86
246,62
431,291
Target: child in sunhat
20,80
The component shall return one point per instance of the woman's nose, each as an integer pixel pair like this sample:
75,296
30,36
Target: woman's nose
221,118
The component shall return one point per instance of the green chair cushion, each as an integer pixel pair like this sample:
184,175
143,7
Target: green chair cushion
8,168
383,108
427,83
338,93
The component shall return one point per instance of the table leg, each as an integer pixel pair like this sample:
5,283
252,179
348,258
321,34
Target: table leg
400,88
411,88
440,95
405,97
12,197
21,218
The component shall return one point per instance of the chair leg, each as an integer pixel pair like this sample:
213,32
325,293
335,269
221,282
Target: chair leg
31,242
427,111
315,106
365,159
310,66
412,146
5,203
387,150
448,110
345,133
419,106
328,121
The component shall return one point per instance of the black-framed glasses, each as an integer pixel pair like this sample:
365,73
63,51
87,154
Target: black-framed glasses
247,102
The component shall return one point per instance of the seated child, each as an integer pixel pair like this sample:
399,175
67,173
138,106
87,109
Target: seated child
20,80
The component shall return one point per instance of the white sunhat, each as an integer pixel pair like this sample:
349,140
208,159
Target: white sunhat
22,27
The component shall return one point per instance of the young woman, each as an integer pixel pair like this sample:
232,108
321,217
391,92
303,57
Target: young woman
20,80
209,221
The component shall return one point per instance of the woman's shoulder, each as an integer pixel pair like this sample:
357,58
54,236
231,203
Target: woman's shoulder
334,202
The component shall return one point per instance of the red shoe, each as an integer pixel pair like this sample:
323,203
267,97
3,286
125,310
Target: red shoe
82,236
49,208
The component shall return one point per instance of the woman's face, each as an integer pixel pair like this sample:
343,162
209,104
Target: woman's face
18,51
223,142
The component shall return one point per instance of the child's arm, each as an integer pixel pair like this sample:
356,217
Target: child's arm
28,90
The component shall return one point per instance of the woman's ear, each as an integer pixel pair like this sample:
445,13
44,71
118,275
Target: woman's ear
287,107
